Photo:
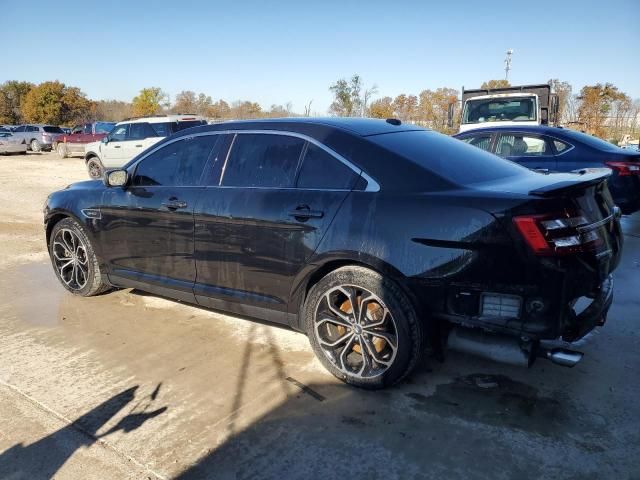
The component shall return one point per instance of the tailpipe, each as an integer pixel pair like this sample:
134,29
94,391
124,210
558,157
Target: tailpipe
562,356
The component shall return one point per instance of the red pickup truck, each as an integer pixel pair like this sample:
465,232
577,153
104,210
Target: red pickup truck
73,143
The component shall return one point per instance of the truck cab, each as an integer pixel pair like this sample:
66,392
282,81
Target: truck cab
508,106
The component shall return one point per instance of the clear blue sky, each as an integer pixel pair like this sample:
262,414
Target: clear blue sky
275,52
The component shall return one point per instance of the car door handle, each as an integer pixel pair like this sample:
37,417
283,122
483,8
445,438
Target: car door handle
138,145
175,204
304,212
116,146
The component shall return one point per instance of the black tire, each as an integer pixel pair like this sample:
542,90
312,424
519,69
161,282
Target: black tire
35,145
403,319
95,281
95,168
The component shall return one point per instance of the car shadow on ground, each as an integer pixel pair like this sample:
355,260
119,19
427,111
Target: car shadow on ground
43,458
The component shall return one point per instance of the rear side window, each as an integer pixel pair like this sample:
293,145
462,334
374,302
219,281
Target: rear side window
188,124
20,129
178,164
52,129
162,129
262,160
321,170
140,131
447,157
515,145
480,141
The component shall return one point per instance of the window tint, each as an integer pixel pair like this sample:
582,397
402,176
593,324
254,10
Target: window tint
87,128
560,146
20,129
188,124
480,141
162,129
104,127
262,160
514,145
32,129
178,164
52,129
119,133
321,170
447,157
140,131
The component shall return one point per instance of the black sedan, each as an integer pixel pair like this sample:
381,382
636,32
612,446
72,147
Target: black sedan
554,149
377,239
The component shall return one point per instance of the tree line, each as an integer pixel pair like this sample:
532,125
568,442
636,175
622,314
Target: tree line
600,109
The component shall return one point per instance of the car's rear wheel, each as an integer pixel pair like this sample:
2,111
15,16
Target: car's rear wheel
74,259
362,327
62,150
95,168
35,145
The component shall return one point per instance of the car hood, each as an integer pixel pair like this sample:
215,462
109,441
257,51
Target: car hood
85,185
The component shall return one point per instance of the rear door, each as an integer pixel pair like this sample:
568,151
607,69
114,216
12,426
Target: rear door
529,150
148,229
255,230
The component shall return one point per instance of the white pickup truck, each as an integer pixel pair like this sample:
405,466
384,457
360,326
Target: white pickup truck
508,106
131,137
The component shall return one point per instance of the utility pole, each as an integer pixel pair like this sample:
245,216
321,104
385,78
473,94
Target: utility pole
507,64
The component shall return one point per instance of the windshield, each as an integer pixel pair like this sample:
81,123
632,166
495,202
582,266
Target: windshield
52,129
449,158
500,110
104,127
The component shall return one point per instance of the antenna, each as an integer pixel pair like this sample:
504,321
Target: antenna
507,64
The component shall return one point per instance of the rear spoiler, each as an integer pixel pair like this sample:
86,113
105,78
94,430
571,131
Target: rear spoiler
583,179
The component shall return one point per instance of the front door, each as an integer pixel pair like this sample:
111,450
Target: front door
148,227
112,153
256,230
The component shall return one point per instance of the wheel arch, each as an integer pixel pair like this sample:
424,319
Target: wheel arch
318,268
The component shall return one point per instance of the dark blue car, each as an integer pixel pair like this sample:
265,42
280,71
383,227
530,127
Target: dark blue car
555,149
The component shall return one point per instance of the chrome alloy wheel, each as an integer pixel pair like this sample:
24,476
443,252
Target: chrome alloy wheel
70,259
356,331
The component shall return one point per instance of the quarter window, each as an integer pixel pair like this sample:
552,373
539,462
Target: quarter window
262,160
514,145
320,170
560,146
178,164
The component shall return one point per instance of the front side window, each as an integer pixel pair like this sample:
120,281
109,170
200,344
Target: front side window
514,145
262,160
320,170
20,129
178,164
499,110
87,128
480,141
119,133
104,127
32,129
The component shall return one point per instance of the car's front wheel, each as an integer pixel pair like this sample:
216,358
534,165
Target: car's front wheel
363,327
74,259
94,167
62,150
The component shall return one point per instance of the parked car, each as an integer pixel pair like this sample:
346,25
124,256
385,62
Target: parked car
74,143
9,143
127,139
554,149
370,236
38,137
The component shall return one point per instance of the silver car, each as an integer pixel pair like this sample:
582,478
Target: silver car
38,137
9,143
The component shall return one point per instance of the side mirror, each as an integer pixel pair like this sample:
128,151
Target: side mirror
116,178
105,140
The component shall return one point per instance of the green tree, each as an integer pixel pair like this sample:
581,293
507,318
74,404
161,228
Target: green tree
347,101
149,102
12,94
58,104
495,84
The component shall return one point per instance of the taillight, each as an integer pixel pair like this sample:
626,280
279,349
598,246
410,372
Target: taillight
624,169
557,235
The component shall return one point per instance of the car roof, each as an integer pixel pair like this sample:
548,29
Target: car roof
185,117
354,125
540,129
